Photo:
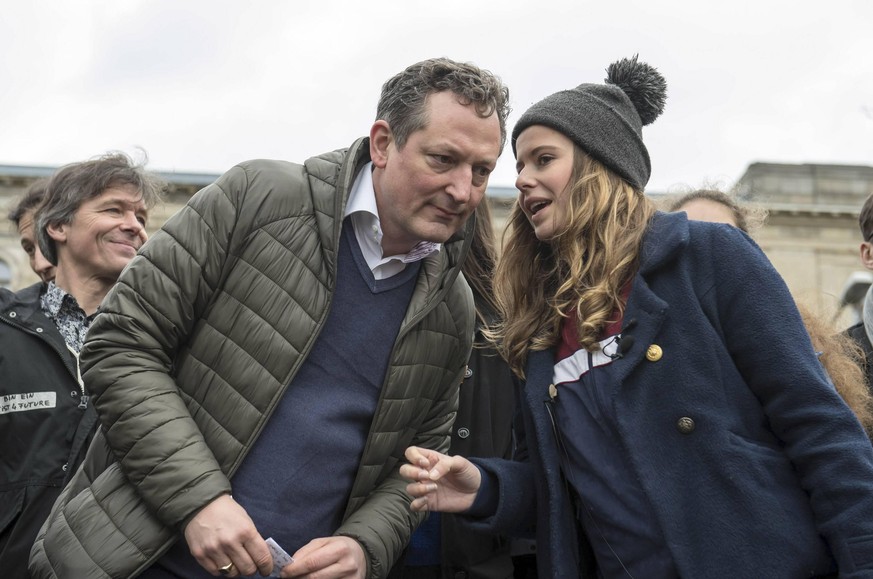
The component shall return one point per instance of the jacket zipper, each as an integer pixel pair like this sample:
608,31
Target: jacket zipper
83,401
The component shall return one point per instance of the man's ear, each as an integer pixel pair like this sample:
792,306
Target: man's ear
867,255
57,232
381,139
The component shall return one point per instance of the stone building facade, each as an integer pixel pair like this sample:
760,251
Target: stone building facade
811,234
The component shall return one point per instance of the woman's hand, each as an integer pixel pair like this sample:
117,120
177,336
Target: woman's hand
440,482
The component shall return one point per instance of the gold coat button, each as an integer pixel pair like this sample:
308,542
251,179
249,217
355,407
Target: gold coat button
654,353
553,391
685,425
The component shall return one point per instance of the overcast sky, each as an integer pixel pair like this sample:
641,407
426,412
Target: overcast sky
201,85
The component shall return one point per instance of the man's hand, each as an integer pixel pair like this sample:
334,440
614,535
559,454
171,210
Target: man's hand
222,533
440,482
328,558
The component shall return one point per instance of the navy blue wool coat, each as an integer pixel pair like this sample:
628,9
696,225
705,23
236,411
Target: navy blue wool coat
752,463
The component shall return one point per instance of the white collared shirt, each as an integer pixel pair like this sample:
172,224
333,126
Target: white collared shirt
368,230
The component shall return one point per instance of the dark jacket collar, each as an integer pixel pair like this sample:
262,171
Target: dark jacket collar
26,299
666,236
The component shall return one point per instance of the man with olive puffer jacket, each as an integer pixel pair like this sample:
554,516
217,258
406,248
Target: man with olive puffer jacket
227,302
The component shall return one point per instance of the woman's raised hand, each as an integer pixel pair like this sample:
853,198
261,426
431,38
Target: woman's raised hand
440,482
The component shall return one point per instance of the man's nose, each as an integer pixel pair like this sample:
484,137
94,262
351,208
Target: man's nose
41,265
461,187
132,223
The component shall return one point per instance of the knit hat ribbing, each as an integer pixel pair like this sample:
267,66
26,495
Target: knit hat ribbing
606,120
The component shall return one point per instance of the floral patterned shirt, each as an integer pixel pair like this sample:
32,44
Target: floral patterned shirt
64,311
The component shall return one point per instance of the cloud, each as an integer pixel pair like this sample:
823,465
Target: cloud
202,85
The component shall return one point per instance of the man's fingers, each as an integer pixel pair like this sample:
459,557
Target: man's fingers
329,557
259,554
244,562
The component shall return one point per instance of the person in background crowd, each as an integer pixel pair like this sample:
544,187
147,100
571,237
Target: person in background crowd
676,424
262,365
22,217
89,224
842,359
718,207
862,332
443,547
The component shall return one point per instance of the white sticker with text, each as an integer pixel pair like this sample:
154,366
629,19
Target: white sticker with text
27,401
280,557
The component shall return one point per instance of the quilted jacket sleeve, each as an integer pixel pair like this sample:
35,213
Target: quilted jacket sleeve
127,360
383,523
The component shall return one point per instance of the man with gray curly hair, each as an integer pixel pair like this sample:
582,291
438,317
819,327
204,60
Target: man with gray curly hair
90,221
261,366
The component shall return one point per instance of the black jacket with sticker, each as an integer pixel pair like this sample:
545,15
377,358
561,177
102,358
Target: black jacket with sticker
44,424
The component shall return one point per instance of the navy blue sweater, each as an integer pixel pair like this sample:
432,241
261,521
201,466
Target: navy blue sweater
296,480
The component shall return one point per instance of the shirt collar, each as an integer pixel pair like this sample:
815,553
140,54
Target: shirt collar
55,298
365,218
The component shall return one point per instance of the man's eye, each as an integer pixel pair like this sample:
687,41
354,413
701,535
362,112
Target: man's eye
442,159
482,171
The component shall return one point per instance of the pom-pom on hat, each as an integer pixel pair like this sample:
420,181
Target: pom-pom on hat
606,120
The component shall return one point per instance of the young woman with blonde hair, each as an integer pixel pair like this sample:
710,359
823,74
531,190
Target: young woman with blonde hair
675,421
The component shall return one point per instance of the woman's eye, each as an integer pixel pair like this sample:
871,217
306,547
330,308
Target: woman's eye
545,159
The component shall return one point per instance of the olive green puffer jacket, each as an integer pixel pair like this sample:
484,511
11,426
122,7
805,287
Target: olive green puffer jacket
196,344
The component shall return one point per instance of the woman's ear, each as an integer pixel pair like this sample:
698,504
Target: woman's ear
381,139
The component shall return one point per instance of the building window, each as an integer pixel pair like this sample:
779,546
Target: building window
5,275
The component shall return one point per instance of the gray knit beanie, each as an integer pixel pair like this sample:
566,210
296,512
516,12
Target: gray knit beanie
606,120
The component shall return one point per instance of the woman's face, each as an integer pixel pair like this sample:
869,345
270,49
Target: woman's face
544,163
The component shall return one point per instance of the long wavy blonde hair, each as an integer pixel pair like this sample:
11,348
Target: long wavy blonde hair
581,270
